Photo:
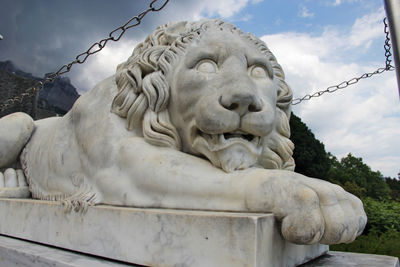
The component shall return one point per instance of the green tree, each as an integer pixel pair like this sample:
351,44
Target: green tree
382,233
382,215
309,153
394,185
350,172
354,171
353,188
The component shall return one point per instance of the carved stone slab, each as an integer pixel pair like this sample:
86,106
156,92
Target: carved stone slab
17,252
348,259
156,237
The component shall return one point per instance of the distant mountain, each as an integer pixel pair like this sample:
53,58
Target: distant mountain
58,96
12,86
10,67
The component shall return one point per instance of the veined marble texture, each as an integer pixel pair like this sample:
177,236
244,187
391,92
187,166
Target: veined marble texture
156,237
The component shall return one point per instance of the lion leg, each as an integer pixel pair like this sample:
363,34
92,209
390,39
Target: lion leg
15,131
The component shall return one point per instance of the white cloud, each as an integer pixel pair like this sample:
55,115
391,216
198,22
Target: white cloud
224,9
104,63
339,2
363,119
245,17
305,13
101,65
367,28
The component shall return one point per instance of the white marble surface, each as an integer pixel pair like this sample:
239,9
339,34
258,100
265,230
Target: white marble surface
10,178
348,259
17,252
198,119
15,131
21,253
156,237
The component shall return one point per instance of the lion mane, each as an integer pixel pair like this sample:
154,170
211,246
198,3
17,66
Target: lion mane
143,90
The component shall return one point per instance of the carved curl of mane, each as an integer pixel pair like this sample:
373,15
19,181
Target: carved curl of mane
144,91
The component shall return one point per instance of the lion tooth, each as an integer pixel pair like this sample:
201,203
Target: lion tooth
221,138
255,140
214,138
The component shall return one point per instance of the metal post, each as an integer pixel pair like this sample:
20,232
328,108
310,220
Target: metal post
393,14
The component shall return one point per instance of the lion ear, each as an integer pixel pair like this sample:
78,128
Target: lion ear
173,31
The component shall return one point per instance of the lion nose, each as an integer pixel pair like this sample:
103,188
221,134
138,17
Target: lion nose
241,103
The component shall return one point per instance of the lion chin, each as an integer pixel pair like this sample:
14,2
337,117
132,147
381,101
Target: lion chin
230,151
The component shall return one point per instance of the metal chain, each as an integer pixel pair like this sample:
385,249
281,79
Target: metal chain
115,35
342,85
387,47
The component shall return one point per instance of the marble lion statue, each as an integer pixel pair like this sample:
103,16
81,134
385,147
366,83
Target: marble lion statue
197,118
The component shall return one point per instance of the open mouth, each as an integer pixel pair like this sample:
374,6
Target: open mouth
223,140
248,137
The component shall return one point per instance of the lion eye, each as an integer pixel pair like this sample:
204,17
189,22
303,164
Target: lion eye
207,66
258,72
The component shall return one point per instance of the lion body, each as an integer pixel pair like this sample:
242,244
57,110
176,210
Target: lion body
196,118
72,157
75,147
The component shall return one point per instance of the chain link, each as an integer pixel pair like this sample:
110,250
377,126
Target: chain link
115,35
342,85
387,47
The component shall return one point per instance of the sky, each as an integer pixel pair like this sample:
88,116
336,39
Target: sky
317,42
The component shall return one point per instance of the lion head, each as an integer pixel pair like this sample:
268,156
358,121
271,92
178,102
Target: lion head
208,89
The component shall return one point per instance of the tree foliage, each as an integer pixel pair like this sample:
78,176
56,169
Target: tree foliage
386,243
350,172
381,196
382,215
382,233
357,177
309,153
394,185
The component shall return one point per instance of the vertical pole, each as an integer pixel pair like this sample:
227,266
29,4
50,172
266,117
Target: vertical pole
393,14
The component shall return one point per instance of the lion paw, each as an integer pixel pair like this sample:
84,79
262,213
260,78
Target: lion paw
16,129
13,184
310,210
326,213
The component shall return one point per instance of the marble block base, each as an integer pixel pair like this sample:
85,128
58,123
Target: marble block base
17,252
348,259
156,237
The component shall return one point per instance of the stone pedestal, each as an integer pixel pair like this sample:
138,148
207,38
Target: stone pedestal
21,253
348,259
156,237
17,252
